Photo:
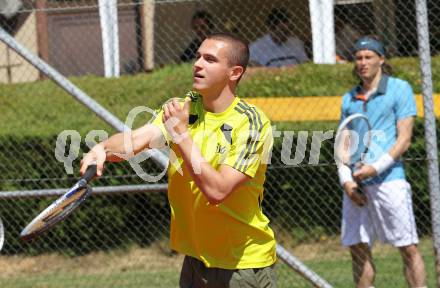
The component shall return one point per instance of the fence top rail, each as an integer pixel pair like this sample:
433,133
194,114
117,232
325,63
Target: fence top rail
107,190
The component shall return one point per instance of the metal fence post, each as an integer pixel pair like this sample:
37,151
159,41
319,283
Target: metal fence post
430,127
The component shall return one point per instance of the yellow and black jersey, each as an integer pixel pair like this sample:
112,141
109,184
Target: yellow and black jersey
234,234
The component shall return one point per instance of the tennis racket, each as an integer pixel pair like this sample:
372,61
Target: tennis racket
352,141
60,208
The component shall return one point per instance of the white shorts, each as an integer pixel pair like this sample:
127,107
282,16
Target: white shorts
388,216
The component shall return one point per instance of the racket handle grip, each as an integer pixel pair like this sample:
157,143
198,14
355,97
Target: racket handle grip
90,172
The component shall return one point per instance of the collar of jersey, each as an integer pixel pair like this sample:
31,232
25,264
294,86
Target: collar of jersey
221,114
381,88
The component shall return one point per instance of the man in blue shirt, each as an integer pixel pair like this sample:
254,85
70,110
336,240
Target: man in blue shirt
384,210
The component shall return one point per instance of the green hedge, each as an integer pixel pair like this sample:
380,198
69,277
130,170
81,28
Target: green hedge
105,221
304,198
44,109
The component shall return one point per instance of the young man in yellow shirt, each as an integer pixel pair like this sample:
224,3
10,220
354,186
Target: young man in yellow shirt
220,147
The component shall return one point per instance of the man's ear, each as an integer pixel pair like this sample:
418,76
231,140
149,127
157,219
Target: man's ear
236,73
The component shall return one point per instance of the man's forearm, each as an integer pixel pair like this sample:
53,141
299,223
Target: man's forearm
113,148
403,142
399,148
122,146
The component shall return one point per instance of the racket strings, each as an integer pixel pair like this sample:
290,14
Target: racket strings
353,138
58,211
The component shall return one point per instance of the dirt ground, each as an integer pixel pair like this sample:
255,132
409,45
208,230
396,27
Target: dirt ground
154,258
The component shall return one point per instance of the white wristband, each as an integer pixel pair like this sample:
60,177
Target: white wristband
383,163
344,173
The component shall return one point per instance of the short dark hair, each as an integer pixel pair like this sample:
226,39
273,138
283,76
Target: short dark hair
277,16
239,52
201,14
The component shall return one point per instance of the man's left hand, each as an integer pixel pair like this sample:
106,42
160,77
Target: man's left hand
364,172
175,118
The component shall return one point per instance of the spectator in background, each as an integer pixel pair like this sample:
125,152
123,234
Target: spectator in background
202,26
278,48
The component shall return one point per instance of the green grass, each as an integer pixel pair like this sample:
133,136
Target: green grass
334,268
319,80
389,272
121,279
43,109
336,272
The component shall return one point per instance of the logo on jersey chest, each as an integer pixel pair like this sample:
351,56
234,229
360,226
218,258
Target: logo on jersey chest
220,149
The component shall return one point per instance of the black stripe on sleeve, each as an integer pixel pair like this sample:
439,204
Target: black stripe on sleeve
256,135
255,127
244,150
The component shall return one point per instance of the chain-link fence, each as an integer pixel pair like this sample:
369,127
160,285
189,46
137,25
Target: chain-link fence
120,239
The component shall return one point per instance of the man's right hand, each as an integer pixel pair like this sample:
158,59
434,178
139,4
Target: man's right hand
95,156
352,190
